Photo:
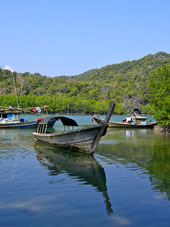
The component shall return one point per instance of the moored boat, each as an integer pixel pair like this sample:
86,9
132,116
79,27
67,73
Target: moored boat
81,139
11,118
135,121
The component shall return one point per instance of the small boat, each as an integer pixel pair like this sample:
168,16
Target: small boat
10,118
128,123
81,139
13,120
135,121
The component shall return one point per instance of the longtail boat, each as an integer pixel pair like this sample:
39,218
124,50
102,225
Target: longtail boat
135,121
81,139
130,122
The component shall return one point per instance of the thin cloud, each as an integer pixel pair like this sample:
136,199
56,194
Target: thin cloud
7,67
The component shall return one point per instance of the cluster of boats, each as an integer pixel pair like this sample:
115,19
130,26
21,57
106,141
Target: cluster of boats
80,139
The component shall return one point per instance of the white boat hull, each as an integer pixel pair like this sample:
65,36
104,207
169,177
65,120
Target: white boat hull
19,124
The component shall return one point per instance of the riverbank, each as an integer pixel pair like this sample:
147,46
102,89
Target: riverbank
162,129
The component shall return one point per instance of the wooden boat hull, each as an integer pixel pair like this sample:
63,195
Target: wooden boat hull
114,124
127,125
83,139
79,139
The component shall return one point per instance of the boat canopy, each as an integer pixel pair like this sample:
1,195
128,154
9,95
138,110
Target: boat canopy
137,110
65,120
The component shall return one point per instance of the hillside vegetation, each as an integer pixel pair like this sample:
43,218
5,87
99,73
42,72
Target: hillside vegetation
126,83
159,87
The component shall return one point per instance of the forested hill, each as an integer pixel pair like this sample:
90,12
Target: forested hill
126,83
142,67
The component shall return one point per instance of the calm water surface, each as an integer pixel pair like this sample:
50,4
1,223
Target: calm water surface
125,183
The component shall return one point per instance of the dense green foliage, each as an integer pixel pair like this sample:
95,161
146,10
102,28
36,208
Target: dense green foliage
125,83
159,86
61,104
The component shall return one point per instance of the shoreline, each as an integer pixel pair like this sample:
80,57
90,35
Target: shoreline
162,129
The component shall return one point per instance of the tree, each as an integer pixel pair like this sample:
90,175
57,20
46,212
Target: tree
159,87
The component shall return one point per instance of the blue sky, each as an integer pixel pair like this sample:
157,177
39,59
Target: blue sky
68,37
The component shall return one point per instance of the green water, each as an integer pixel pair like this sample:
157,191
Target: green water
125,183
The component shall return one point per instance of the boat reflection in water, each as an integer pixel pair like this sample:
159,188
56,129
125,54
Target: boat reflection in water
84,167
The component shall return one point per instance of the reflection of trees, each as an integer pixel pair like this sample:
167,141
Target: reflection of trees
159,169
11,136
84,167
13,139
150,154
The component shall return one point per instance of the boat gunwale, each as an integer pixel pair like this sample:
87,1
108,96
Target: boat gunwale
66,132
